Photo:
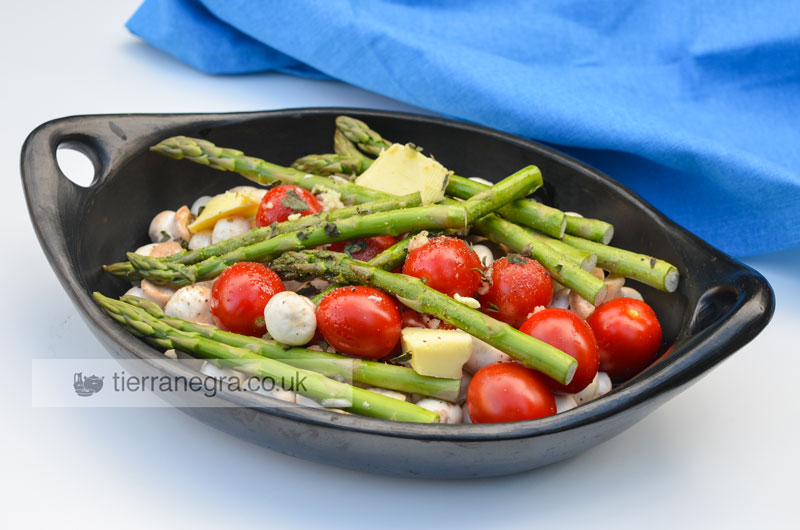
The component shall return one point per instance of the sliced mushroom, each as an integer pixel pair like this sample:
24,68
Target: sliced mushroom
483,354
580,306
615,284
564,402
484,254
183,218
157,293
167,248
630,292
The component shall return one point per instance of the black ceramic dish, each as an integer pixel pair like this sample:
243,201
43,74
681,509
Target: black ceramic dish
720,305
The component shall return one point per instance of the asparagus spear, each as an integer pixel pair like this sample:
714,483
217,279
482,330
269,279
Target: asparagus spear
456,215
415,294
344,147
390,203
314,385
204,152
340,367
331,164
546,219
260,171
646,269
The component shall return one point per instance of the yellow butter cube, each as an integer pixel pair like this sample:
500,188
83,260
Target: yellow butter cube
224,205
437,352
401,170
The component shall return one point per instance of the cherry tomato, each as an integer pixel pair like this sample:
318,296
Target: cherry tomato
364,249
629,335
359,321
446,264
569,333
239,296
282,201
518,285
411,319
508,391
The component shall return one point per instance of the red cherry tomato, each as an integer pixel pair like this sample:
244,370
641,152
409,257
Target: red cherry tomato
518,286
446,264
359,321
569,333
239,296
629,335
282,201
508,391
364,249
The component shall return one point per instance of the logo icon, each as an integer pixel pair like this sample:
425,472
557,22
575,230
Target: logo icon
86,386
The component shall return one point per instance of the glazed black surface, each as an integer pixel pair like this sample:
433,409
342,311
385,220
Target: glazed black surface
720,305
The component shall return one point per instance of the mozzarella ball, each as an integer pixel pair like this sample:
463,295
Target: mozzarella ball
588,393
200,240
484,254
192,303
135,291
198,204
448,412
228,228
603,384
291,318
161,226
483,354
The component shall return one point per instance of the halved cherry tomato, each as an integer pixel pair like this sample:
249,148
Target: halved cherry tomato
629,335
239,296
364,249
446,264
359,321
569,333
282,201
518,286
508,391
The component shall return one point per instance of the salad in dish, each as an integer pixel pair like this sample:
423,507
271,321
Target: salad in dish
398,289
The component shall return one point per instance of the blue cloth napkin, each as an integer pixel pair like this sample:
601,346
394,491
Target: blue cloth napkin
694,105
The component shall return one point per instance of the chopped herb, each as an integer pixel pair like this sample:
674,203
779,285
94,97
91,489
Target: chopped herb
165,236
354,247
302,236
322,344
478,270
493,307
200,210
516,259
184,244
293,201
402,358
331,230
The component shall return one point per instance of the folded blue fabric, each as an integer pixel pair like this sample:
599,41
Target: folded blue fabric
694,106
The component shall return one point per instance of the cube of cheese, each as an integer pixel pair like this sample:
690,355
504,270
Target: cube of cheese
437,352
225,205
401,170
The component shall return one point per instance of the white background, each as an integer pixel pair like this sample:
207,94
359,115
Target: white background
723,453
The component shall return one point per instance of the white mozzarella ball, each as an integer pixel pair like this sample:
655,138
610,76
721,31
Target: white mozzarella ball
560,299
564,402
291,318
162,224
201,202
192,303
483,354
484,254
228,228
135,291
448,412
200,240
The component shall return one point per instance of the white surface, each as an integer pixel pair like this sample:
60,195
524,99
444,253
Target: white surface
723,453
